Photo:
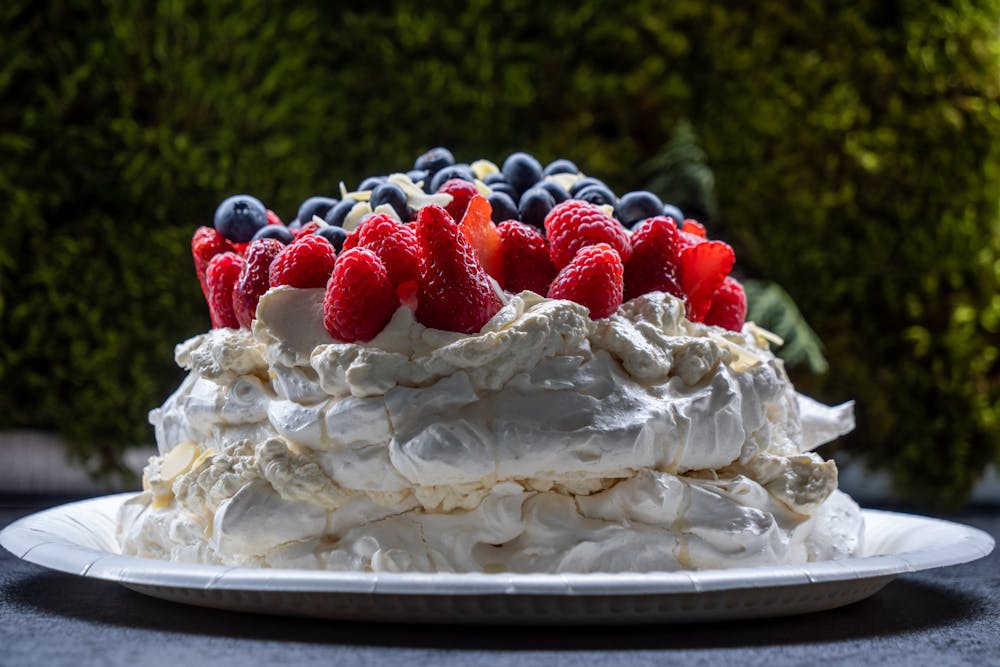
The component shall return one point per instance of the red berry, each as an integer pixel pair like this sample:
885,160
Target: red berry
306,263
305,230
594,279
478,229
461,193
220,278
206,243
654,264
360,298
703,269
394,242
254,279
575,224
273,219
453,292
527,264
729,306
692,226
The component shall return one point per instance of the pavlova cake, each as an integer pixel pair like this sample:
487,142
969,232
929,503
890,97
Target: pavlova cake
473,368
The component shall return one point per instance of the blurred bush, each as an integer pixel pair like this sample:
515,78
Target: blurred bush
854,152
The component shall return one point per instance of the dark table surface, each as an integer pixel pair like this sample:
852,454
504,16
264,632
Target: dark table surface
943,617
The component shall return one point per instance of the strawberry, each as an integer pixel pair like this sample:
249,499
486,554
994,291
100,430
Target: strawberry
206,243
394,242
574,224
454,292
461,193
220,277
306,263
527,264
360,299
478,229
254,279
593,278
695,228
655,259
703,269
273,218
729,306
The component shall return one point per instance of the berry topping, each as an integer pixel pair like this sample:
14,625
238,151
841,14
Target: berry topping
220,277
371,183
505,188
273,218
239,217
360,299
461,193
453,293
418,175
592,279
319,206
460,171
560,167
336,215
672,211
279,233
335,235
703,269
478,229
729,306
597,195
434,160
305,229
526,263
306,263
394,242
574,224
636,206
254,280
557,191
490,179
503,207
206,244
535,204
654,264
696,228
521,171
586,183
390,194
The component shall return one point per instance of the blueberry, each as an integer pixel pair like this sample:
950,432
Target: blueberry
638,205
277,232
521,170
556,190
417,175
503,207
335,235
314,206
597,195
560,167
390,194
336,215
239,217
370,183
587,182
672,211
435,160
505,188
535,204
495,177
462,171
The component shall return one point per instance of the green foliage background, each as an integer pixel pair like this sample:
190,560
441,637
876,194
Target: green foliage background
853,147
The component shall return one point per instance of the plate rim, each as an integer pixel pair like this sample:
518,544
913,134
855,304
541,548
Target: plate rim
26,541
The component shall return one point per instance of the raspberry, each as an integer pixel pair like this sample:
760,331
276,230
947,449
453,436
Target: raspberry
206,243
220,278
305,230
478,229
654,262
703,269
254,280
360,298
574,224
461,192
526,261
306,263
394,242
453,293
594,279
729,306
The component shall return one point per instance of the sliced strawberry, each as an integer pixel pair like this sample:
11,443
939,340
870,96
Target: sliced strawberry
461,192
703,269
206,243
729,306
360,299
478,229
695,228
594,278
273,218
220,278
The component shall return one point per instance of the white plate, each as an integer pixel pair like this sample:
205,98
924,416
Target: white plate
79,538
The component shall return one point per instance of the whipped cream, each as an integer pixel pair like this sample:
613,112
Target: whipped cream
547,442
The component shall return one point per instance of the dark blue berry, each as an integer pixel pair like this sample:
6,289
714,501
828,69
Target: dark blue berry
672,211
390,194
505,188
495,177
277,232
586,183
560,167
336,215
638,205
417,175
556,190
521,170
435,160
335,235
503,207
596,194
314,206
239,217
462,171
535,204
370,183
